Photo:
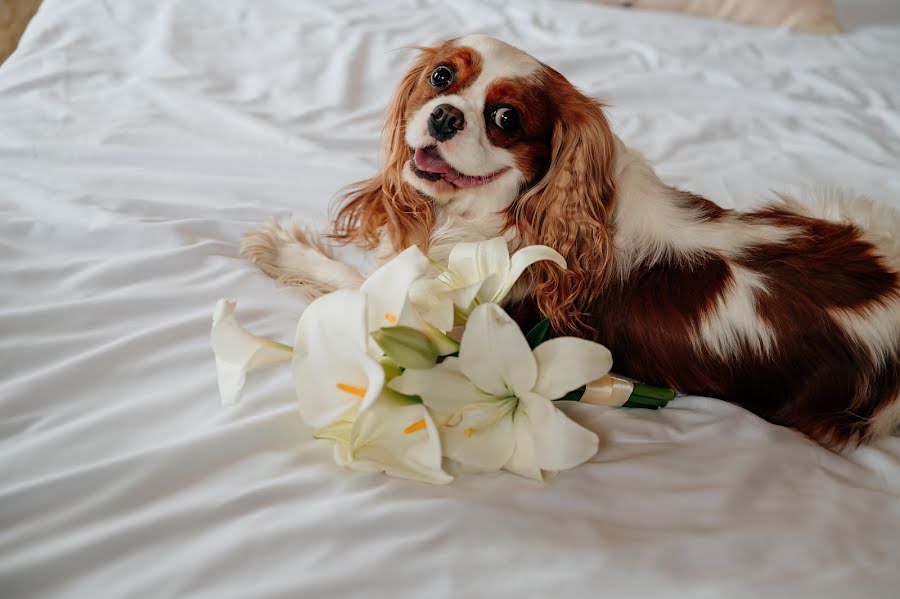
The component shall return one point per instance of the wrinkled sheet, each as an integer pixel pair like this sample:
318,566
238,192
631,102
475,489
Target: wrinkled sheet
139,139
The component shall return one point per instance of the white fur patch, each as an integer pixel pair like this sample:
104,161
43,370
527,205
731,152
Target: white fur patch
876,327
473,216
652,226
886,421
499,60
734,323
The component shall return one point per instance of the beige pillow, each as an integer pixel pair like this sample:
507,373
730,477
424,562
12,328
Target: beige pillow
801,15
14,16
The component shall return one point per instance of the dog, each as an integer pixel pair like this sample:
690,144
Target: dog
792,310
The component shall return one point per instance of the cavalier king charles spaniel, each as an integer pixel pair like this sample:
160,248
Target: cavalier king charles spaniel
792,310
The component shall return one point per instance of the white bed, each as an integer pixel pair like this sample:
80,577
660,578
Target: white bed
139,139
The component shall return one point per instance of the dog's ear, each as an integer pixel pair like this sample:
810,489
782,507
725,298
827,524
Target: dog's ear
384,204
570,209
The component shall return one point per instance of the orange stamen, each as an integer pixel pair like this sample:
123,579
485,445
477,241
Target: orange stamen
415,426
357,391
469,432
390,318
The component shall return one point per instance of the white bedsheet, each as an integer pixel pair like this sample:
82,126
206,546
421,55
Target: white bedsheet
139,139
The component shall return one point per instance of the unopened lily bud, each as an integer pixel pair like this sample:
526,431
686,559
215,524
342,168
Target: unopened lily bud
391,369
406,346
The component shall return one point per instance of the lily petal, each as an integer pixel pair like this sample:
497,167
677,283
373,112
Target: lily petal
495,355
339,430
398,438
442,388
465,296
523,461
567,363
411,317
332,368
521,260
386,289
431,300
475,261
559,443
481,436
238,351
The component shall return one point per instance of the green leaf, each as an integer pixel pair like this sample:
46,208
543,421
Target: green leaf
538,333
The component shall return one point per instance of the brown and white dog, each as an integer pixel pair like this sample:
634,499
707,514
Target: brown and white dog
792,311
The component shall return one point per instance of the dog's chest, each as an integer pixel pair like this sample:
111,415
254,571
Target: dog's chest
463,221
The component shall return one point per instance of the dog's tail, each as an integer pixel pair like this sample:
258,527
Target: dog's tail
297,256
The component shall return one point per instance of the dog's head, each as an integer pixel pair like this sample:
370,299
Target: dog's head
478,118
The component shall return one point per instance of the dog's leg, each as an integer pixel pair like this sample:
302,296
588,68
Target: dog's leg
296,256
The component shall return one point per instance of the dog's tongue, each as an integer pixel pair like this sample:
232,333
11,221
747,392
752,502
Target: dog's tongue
429,160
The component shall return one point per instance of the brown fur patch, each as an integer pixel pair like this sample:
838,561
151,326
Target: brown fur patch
569,208
531,143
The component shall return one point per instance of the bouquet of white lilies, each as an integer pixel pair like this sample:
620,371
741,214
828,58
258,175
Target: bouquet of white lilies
422,363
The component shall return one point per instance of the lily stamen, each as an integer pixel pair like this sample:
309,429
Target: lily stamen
415,426
357,391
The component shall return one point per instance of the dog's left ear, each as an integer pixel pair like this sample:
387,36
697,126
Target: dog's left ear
570,209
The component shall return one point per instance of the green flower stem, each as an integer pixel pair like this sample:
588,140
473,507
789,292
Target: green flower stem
574,395
639,401
640,397
662,393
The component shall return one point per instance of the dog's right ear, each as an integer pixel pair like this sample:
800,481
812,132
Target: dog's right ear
384,205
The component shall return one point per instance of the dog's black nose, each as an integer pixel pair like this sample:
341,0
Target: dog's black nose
445,122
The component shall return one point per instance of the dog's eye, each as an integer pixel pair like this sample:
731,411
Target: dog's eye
506,119
441,77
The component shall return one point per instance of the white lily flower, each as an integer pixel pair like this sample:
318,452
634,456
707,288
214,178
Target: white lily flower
335,362
387,291
332,367
395,435
387,287
493,404
238,351
477,273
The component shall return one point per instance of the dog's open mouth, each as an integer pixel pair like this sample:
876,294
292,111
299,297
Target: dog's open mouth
428,164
